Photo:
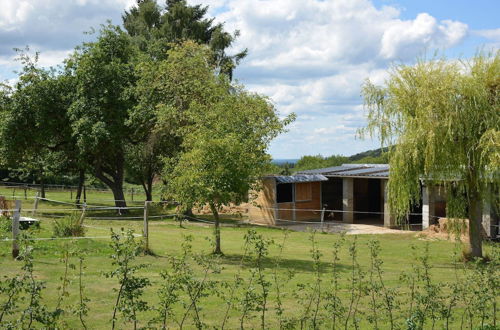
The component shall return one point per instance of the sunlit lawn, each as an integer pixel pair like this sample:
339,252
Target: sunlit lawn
165,240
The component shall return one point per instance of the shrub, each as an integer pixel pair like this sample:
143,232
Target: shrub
71,226
5,227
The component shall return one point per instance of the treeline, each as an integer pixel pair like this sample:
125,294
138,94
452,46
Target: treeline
151,101
309,162
262,293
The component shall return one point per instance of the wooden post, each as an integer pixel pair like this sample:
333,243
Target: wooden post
84,209
322,217
14,193
15,229
146,225
132,194
35,203
25,194
71,194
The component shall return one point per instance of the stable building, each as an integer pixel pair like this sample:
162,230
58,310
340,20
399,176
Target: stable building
351,193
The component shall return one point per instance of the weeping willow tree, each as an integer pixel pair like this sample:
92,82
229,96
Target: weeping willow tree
441,120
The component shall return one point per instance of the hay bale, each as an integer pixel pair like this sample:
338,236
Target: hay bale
454,226
5,205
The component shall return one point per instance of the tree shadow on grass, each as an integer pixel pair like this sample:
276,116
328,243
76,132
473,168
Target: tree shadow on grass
298,265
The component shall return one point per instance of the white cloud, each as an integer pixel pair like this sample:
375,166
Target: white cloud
493,34
312,57
55,25
405,39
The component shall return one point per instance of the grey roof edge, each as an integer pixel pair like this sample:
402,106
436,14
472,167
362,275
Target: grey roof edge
345,168
298,178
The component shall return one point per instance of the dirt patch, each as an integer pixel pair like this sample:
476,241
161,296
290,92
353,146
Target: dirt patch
240,209
447,229
348,228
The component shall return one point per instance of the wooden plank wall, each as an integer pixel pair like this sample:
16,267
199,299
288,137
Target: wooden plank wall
311,201
262,209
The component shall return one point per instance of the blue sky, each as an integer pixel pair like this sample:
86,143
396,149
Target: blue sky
309,56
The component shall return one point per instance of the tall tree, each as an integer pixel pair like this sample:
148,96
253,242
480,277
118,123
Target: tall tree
443,119
104,73
225,138
35,131
155,28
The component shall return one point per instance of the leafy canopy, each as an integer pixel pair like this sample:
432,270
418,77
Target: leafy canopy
442,119
225,141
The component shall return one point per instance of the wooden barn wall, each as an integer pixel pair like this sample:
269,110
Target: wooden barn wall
263,209
285,211
312,203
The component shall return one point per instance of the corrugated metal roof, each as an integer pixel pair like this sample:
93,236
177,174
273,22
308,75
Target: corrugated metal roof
300,178
354,170
326,170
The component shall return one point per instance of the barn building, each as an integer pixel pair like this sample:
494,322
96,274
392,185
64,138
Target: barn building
351,193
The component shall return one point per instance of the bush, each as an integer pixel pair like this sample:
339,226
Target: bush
71,226
5,227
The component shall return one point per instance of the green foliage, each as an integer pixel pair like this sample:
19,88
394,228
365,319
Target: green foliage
318,161
441,120
377,156
340,293
35,130
81,308
226,132
69,226
128,299
5,227
104,73
23,293
155,28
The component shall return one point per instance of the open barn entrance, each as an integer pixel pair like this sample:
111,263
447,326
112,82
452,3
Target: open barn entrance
368,201
331,198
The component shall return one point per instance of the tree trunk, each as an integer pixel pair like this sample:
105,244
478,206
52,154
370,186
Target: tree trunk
189,211
81,182
116,186
217,249
42,188
475,226
119,196
148,189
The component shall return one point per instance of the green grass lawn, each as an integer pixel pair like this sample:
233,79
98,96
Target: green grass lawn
165,240
102,197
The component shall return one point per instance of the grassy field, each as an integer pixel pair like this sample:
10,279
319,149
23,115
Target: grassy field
166,237
165,240
104,197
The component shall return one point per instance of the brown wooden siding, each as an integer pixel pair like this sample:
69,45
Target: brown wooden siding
262,209
313,204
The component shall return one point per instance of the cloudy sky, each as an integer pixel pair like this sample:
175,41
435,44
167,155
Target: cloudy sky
309,56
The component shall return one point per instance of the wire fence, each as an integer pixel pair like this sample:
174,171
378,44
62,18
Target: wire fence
318,218
63,187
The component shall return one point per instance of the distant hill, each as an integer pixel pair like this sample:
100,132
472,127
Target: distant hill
309,162
369,154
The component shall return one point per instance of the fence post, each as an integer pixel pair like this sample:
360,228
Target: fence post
132,194
322,217
84,194
35,203
146,225
15,229
71,194
84,209
25,194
